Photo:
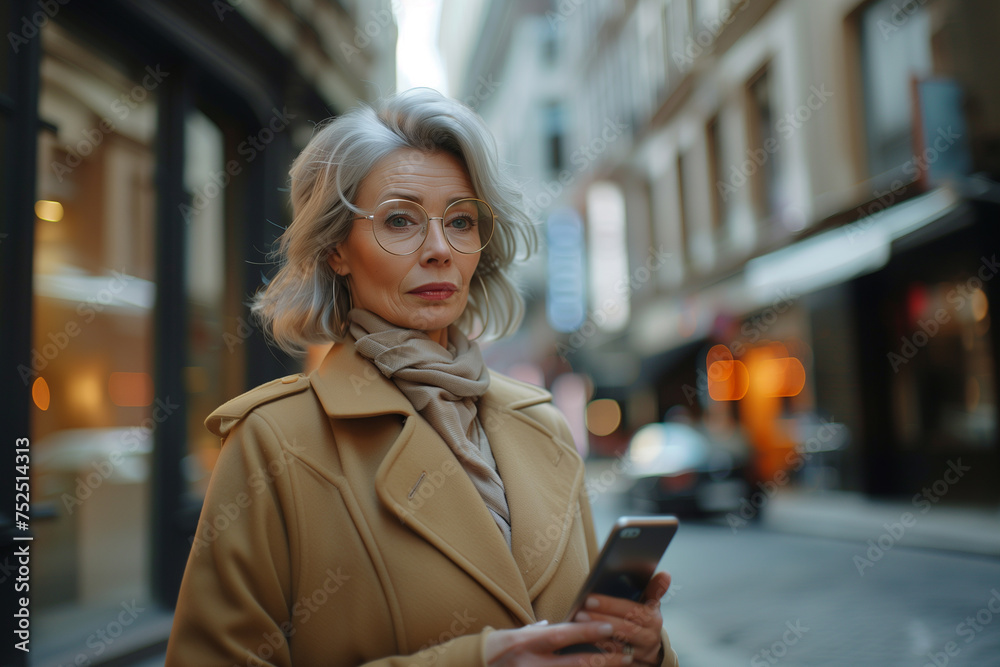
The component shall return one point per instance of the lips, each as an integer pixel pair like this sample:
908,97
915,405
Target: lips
435,291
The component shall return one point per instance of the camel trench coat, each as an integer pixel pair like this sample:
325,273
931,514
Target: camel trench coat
340,529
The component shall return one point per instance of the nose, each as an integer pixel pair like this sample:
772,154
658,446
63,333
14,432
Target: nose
435,247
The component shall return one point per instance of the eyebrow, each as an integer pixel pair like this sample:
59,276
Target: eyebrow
418,199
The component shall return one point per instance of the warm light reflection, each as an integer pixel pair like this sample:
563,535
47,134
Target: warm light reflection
719,372
49,210
784,376
40,393
603,416
728,380
84,392
972,394
131,390
980,305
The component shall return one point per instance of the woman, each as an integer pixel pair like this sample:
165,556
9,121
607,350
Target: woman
402,505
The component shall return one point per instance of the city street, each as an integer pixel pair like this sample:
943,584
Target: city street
760,597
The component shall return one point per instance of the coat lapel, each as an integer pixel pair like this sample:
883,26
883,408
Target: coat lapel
542,476
420,481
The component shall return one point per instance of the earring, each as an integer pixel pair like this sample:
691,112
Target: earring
343,317
486,297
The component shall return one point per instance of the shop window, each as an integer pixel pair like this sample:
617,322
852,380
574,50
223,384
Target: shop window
95,415
943,390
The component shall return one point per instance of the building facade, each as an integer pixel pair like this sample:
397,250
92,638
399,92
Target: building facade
145,160
789,208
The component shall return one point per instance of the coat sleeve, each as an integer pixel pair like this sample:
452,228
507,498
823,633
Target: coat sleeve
235,597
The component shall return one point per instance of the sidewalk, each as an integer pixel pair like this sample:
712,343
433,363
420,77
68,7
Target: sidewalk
853,516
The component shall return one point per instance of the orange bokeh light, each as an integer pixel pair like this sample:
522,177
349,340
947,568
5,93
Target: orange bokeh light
131,390
40,393
728,380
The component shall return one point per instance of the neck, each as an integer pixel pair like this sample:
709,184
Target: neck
439,336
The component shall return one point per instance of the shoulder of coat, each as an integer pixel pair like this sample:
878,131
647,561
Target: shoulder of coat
516,394
229,414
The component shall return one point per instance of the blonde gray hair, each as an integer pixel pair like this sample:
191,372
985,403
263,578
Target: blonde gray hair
306,302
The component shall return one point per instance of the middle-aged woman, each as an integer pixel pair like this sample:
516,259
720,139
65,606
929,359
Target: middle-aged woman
402,505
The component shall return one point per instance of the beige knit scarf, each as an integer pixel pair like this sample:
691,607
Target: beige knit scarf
443,385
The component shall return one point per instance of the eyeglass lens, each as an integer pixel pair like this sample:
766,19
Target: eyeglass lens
400,226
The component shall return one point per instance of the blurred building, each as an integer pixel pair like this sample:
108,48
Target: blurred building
146,147
787,206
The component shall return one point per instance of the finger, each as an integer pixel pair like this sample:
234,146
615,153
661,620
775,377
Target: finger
657,587
646,614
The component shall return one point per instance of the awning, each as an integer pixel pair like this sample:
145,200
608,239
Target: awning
820,261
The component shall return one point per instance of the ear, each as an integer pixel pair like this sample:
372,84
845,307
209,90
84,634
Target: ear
338,262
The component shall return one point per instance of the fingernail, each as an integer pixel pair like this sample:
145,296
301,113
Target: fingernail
591,603
582,616
541,622
606,629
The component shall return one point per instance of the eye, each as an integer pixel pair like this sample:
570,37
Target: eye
399,220
462,222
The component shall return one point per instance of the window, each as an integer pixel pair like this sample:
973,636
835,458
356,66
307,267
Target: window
555,129
95,412
893,54
716,166
763,166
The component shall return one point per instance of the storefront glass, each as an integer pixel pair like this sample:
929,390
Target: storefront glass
94,409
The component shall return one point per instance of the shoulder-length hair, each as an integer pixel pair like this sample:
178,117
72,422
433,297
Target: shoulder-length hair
306,302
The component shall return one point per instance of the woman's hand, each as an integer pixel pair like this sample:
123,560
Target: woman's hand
537,644
637,625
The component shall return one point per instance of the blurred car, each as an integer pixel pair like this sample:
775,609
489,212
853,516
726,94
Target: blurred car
677,468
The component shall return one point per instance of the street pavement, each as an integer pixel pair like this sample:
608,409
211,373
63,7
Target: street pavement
748,594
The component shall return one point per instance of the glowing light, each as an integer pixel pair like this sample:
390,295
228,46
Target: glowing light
131,390
49,210
719,372
980,305
84,391
603,416
40,393
734,382
784,376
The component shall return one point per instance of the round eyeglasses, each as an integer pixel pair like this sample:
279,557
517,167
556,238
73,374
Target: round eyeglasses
400,226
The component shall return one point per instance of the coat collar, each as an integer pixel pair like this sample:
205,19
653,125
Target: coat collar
420,481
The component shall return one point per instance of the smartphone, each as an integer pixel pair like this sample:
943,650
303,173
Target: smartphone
626,563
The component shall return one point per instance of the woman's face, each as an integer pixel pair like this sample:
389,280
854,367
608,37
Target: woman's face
428,289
